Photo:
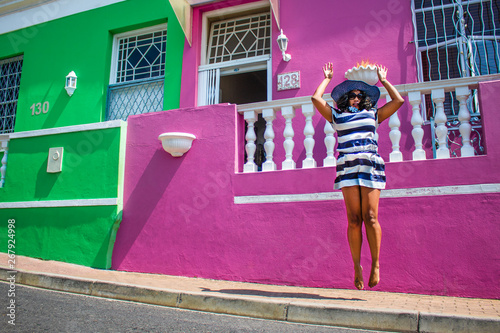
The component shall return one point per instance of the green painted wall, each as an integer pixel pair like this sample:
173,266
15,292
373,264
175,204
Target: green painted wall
92,168
80,235
83,43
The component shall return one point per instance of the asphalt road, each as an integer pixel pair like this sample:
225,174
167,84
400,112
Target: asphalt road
41,310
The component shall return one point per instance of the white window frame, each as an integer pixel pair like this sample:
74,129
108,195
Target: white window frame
117,37
228,67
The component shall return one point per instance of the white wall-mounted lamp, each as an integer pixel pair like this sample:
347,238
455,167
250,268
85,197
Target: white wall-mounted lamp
283,44
70,83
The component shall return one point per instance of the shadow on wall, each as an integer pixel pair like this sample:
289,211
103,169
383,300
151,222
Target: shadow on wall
149,190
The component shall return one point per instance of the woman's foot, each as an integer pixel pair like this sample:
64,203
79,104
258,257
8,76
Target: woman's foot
374,276
358,277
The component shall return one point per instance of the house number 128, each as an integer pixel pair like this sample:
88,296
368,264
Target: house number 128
38,108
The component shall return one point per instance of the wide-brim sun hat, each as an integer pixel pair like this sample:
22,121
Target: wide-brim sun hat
349,85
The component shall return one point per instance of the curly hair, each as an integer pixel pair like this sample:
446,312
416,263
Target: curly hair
364,104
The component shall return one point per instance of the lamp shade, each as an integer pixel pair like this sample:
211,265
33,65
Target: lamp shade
283,45
282,41
70,85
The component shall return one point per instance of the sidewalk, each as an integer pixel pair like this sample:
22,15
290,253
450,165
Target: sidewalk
335,307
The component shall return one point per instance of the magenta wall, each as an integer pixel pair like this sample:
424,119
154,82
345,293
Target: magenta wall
179,214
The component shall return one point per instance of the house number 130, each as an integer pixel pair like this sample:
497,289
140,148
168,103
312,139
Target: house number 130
38,108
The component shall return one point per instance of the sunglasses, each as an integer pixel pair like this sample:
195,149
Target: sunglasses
352,95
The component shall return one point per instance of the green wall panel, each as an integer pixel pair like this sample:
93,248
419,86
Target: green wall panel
90,169
79,235
83,43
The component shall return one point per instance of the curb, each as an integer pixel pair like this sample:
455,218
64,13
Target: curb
299,312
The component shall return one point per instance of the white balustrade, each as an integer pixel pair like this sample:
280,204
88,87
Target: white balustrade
250,147
465,127
4,147
288,112
330,145
309,162
440,118
414,93
269,115
395,136
415,98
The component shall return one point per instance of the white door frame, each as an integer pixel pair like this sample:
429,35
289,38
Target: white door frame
209,74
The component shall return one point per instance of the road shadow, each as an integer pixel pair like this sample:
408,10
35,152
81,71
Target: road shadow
254,292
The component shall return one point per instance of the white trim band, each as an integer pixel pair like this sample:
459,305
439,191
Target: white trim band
25,16
67,129
395,193
60,203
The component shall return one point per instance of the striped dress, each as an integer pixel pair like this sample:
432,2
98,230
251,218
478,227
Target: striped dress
358,162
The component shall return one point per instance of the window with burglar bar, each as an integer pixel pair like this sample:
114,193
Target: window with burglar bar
239,38
138,73
10,78
456,38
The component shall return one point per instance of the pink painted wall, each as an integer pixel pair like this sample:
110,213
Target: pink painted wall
179,214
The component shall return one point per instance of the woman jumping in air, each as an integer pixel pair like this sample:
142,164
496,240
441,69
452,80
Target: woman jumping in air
360,169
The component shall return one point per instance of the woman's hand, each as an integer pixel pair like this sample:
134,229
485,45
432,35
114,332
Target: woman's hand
382,73
328,70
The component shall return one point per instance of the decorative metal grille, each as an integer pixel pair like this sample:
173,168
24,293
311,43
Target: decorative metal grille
134,98
454,137
10,78
141,57
240,38
456,38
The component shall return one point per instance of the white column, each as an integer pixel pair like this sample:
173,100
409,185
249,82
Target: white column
330,145
5,148
417,121
394,135
440,118
465,127
308,112
250,147
288,112
269,116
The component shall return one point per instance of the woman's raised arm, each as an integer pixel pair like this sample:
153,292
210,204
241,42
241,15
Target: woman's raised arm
317,97
396,100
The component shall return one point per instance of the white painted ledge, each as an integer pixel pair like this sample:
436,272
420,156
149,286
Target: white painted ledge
395,193
67,129
60,203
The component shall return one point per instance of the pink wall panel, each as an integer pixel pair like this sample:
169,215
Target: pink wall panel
180,218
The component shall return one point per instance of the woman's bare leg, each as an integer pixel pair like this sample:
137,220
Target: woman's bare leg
352,200
369,207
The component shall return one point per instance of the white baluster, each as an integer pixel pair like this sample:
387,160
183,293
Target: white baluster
269,115
417,121
288,112
308,112
250,147
3,168
394,135
440,119
330,145
465,127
